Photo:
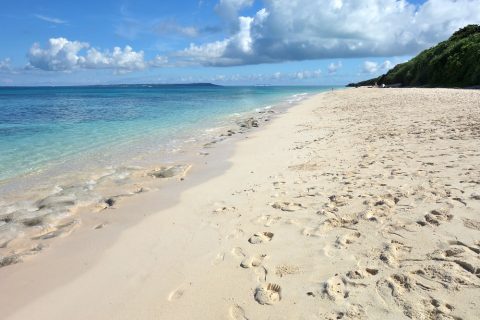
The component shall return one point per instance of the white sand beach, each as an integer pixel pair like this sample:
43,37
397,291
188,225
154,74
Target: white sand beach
355,204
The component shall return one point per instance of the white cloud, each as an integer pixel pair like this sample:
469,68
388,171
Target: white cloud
119,59
333,67
50,19
206,53
158,61
373,67
5,65
60,54
228,9
370,67
387,65
337,4
307,74
232,51
287,30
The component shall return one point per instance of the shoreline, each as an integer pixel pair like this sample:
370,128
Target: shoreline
318,214
64,200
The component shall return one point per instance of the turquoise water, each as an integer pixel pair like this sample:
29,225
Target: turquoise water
42,126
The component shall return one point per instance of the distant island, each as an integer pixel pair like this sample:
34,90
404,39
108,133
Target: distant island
451,63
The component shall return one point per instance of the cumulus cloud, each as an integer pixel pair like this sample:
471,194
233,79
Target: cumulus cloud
119,59
287,30
5,65
307,74
373,67
50,19
158,61
387,65
61,54
229,9
333,67
370,67
236,50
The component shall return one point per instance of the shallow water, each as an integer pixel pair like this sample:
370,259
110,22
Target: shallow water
42,126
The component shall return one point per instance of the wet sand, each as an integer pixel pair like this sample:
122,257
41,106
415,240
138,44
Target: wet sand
355,204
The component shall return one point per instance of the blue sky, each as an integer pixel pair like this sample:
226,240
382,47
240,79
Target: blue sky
223,41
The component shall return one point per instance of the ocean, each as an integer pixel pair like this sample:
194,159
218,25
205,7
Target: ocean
66,147
43,126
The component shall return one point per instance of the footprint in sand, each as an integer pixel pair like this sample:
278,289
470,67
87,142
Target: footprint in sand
439,308
268,294
449,276
237,313
252,261
278,184
261,237
176,294
362,273
288,206
223,210
262,273
353,312
267,220
458,254
471,224
436,217
248,261
391,252
235,234
408,293
238,252
347,239
460,243
335,288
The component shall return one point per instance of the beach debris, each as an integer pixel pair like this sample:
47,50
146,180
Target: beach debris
211,143
230,133
110,202
170,171
31,222
99,226
249,123
8,260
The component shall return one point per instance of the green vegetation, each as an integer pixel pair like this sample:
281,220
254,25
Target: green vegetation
451,63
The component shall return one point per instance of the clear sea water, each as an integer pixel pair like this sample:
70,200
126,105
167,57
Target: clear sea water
45,126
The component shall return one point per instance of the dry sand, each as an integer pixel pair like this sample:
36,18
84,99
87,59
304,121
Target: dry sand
355,204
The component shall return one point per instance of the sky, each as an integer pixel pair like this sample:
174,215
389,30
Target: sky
229,42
